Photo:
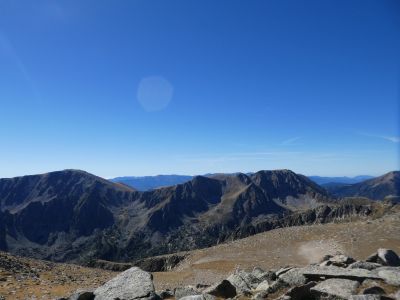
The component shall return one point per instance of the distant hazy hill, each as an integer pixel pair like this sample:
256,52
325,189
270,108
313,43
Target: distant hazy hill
377,188
145,183
339,180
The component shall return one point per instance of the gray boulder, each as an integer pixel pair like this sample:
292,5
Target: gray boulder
82,295
282,271
181,292
131,284
224,289
375,290
364,265
365,297
262,275
165,294
192,297
389,257
390,275
301,292
318,272
243,282
294,277
263,286
335,289
338,261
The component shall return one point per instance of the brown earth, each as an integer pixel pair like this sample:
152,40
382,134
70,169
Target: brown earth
23,278
285,246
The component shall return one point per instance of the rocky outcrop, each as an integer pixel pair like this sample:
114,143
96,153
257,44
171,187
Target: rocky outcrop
160,263
128,285
313,282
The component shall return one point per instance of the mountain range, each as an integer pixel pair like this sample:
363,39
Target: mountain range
145,183
75,216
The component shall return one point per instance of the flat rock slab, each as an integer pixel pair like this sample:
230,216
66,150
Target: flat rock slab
132,284
337,272
390,275
334,288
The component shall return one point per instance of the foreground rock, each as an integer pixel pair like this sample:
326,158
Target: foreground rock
385,257
336,278
335,289
131,284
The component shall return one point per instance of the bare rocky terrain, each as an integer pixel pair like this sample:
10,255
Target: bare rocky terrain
23,278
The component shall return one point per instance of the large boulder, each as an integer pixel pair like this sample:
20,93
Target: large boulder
243,282
192,297
294,277
389,257
390,275
224,289
318,272
82,295
339,260
364,265
369,297
334,288
385,257
181,292
263,286
131,284
301,292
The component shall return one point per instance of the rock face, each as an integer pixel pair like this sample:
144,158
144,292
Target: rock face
128,285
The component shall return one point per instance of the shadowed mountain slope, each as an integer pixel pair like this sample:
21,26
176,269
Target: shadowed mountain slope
75,216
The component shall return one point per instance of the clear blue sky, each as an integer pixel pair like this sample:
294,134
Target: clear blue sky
156,87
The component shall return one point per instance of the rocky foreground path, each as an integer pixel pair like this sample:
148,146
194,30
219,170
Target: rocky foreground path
336,277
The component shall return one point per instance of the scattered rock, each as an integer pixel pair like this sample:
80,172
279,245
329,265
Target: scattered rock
282,271
181,292
166,294
365,297
390,275
301,292
364,265
389,257
192,297
339,260
131,284
318,272
224,289
334,288
263,286
243,282
85,295
294,277
376,290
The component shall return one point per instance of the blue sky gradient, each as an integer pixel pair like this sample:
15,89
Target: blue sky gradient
189,87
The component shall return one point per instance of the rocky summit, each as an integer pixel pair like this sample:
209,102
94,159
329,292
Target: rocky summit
336,277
